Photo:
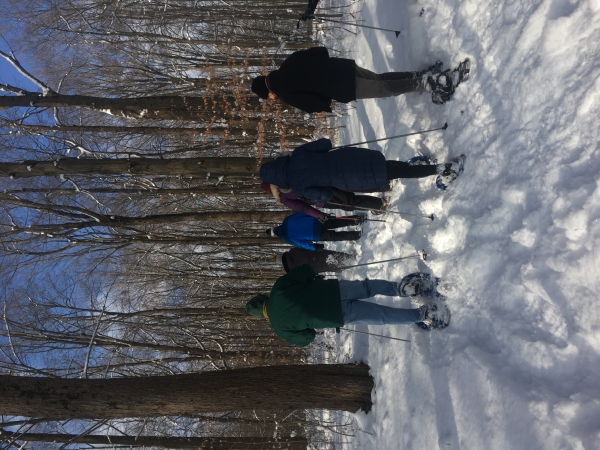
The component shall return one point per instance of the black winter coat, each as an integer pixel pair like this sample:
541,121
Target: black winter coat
310,79
313,170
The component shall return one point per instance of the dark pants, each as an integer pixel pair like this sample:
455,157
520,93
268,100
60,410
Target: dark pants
328,235
322,260
372,85
401,169
350,201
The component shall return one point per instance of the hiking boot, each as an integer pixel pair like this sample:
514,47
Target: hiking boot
384,204
443,85
433,69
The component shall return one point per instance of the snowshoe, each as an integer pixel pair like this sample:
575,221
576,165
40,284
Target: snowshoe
417,284
444,84
434,316
462,72
422,161
450,172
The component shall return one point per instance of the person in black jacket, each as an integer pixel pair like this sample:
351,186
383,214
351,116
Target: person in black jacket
310,80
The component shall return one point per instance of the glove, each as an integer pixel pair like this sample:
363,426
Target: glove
323,217
319,246
307,16
360,219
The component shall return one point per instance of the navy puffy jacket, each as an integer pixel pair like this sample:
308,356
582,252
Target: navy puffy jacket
312,170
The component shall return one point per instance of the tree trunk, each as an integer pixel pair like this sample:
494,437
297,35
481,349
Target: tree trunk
116,129
229,166
202,191
125,221
133,107
228,443
323,386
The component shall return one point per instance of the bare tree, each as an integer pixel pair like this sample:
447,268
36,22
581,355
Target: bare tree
332,386
217,442
231,166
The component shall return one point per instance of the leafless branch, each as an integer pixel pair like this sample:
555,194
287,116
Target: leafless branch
17,65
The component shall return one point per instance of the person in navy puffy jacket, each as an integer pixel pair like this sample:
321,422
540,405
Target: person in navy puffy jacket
312,171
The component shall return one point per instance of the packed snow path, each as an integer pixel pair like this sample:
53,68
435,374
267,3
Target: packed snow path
516,238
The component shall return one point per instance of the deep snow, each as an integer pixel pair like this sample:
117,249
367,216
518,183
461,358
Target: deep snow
516,237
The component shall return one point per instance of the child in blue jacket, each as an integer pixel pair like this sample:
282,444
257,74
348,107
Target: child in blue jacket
302,230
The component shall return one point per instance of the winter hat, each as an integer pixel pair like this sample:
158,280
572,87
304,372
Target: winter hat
255,306
277,231
275,190
266,187
259,87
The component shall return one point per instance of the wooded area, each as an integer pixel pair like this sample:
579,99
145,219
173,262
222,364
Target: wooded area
132,229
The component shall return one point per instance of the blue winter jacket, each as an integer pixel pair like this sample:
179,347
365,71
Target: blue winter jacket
312,170
299,230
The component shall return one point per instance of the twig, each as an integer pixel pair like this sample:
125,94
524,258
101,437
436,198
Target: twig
87,356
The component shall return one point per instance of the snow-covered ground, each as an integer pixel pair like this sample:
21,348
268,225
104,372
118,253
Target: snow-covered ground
516,238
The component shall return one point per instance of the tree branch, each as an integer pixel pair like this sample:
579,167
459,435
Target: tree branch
47,92
13,89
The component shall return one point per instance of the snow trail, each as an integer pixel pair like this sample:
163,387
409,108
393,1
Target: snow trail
516,237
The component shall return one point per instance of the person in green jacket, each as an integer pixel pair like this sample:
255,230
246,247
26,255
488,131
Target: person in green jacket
302,301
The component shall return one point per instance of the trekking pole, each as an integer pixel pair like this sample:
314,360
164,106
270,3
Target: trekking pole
352,218
421,254
323,19
373,334
385,211
392,137
430,216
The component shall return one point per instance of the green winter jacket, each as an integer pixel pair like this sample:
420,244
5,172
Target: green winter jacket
299,303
